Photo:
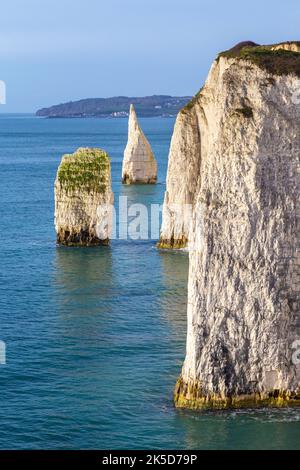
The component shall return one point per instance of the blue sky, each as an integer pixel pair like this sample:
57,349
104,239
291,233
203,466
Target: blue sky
53,51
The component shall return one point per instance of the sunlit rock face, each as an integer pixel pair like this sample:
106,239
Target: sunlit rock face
182,179
185,154
244,276
83,198
139,164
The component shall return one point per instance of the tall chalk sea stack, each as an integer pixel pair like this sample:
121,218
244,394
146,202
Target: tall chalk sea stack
83,198
139,164
242,132
182,180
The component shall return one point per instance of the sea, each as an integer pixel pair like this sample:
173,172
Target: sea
93,339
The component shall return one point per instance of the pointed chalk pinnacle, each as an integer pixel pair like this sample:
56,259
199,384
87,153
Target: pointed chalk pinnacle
139,164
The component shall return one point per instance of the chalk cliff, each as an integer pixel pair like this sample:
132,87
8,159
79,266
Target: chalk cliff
182,179
185,158
139,164
242,133
83,196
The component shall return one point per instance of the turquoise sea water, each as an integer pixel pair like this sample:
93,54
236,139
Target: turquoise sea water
96,337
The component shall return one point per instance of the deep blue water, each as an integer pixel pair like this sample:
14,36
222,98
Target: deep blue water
96,337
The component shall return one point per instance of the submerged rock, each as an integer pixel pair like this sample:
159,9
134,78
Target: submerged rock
242,131
83,198
139,164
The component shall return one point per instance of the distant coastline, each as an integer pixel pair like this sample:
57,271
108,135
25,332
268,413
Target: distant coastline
117,107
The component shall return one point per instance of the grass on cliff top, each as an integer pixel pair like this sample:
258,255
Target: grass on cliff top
87,169
191,103
276,62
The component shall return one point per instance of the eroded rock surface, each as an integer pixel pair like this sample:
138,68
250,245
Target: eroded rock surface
185,151
139,164
182,180
83,198
244,276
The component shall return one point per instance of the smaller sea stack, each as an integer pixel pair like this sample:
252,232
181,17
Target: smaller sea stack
139,164
83,198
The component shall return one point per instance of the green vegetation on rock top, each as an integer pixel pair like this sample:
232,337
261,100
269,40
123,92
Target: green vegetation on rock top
276,62
192,102
87,169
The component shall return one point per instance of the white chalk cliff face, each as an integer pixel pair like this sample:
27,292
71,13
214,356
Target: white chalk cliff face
182,180
184,170
243,128
139,164
84,198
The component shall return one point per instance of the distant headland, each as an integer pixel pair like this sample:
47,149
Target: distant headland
117,107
